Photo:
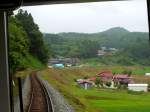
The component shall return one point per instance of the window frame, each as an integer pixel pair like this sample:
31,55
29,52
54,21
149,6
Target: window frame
5,79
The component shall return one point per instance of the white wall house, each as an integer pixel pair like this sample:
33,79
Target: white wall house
147,74
138,87
101,53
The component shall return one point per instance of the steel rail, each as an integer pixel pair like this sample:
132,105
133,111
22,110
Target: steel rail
47,94
31,100
50,106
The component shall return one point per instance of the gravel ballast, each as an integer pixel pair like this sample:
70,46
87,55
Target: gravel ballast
59,103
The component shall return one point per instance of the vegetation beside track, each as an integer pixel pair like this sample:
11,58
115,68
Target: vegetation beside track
95,99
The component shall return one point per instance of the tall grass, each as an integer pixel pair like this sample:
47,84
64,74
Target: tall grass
95,99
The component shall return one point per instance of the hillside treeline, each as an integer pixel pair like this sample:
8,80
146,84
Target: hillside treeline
26,45
133,47
63,47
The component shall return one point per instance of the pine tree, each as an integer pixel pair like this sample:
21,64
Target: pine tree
36,46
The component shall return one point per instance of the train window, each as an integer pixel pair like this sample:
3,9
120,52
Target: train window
80,57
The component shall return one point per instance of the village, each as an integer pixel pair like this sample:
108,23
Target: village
107,79
61,62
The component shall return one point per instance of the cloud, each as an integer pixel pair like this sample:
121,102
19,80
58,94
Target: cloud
91,17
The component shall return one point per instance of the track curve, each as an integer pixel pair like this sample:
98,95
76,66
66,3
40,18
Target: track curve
40,100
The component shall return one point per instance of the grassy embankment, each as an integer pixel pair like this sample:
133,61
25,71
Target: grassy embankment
33,64
114,60
97,100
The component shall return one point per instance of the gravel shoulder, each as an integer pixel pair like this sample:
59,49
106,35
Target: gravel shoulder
59,103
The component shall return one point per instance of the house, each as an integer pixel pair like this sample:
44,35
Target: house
101,52
65,61
103,48
50,66
147,74
122,79
85,83
107,80
113,50
92,79
105,76
68,65
138,87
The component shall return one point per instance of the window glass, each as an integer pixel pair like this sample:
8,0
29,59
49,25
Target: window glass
83,57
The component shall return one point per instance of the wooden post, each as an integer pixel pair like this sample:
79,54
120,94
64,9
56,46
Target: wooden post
20,94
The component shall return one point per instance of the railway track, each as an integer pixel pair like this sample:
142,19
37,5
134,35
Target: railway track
40,100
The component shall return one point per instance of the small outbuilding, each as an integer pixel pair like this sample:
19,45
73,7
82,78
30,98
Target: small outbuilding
58,65
85,83
138,87
147,74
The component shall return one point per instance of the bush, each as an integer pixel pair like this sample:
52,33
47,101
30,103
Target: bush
108,84
86,77
75,79
129,72
98,81
148,84
122,86
135,92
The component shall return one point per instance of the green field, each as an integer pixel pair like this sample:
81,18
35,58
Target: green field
96,99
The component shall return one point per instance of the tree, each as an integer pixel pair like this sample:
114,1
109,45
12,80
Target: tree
86,77
37,46
98,81
129,72
108,84
88,48
74,52
18,46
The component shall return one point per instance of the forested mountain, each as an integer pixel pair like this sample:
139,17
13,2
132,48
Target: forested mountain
132,46
114,37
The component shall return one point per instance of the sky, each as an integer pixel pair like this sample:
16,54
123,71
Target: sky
91,17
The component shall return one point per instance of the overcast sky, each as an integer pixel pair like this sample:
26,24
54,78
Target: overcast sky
91,17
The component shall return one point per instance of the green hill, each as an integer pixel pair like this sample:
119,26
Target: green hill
132,46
